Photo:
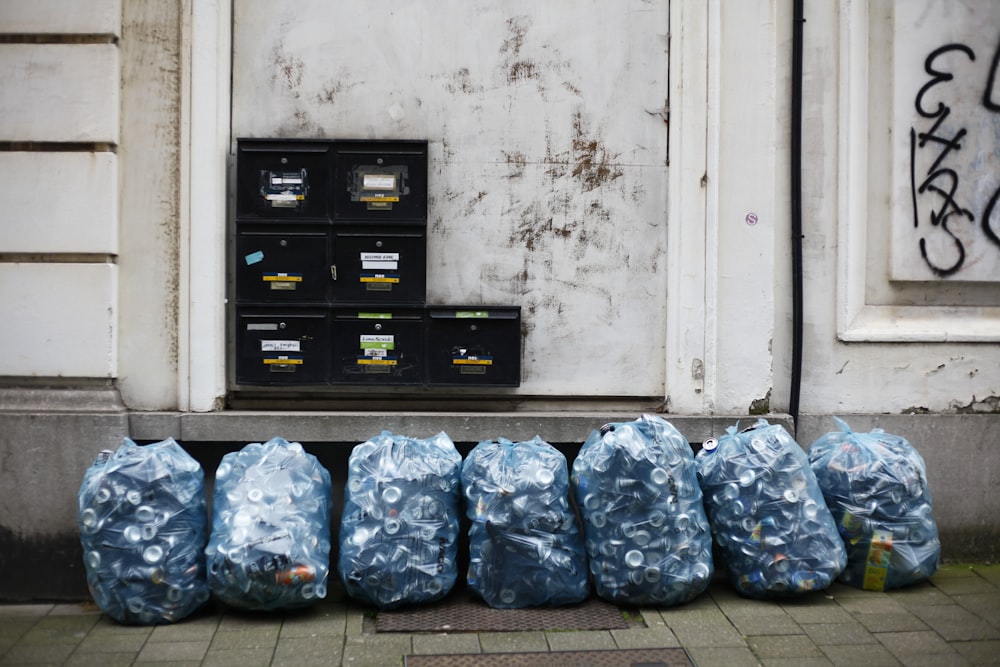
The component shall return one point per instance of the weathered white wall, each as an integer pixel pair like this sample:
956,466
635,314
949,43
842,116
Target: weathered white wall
547,156
59,238
871,344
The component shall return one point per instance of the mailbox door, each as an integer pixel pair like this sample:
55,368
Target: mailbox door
378,348
283,180
474,345
380,267
381,181
282,266
276,347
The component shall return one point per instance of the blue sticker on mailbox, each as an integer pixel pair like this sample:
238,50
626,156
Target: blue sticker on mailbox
254,257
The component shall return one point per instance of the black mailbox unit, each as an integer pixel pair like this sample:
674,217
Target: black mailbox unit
474,345
379,347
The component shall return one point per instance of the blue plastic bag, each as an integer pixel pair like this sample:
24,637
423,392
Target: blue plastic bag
525,546
399,531
270,541
875,484
143,526
768,514
647,535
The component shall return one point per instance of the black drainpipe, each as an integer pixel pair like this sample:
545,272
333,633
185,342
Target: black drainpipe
798,19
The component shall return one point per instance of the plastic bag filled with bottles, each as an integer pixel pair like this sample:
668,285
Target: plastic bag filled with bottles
525,545
270,542
875,485
768,514
399,531
143,526
647,535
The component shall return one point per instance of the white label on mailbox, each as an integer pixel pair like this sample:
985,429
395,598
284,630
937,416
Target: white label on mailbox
379,182
262,326
280,346
380,260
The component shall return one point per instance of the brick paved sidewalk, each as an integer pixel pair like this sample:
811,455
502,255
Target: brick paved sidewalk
952,620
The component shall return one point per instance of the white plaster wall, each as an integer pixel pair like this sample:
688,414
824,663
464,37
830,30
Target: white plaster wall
59,92
59,202
95,17
891,357
547,158
58,283
61,320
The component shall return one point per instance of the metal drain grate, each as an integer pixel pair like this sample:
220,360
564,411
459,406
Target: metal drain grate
460,612
651,657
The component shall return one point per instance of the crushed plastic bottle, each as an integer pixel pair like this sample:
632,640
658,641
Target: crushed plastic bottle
399,531
647,536
525,545
143,525
875,485
767,513
270,542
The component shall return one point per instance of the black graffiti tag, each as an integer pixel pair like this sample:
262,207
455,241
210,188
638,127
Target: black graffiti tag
940,184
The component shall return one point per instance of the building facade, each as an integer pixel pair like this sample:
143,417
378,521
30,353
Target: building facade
710,210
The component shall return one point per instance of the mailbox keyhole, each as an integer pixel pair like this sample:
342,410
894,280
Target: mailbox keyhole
378,244
378,327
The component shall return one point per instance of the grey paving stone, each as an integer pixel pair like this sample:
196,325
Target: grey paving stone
964,585
371,650
902,644
100,660
26,610
103,642
194,631
901,621
832,634
512,642
26,654
178,651
248,638
869,655
839,591
707,627
752,622
984,605
978,652
920,594
58,630
955,623
464,642
247,621
313,651
320,621
871,602
990,573
819,661
729,600
816,610
246,657
169,663
784,646
644,638
936,660
73,609
589,640
14,627
714,656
